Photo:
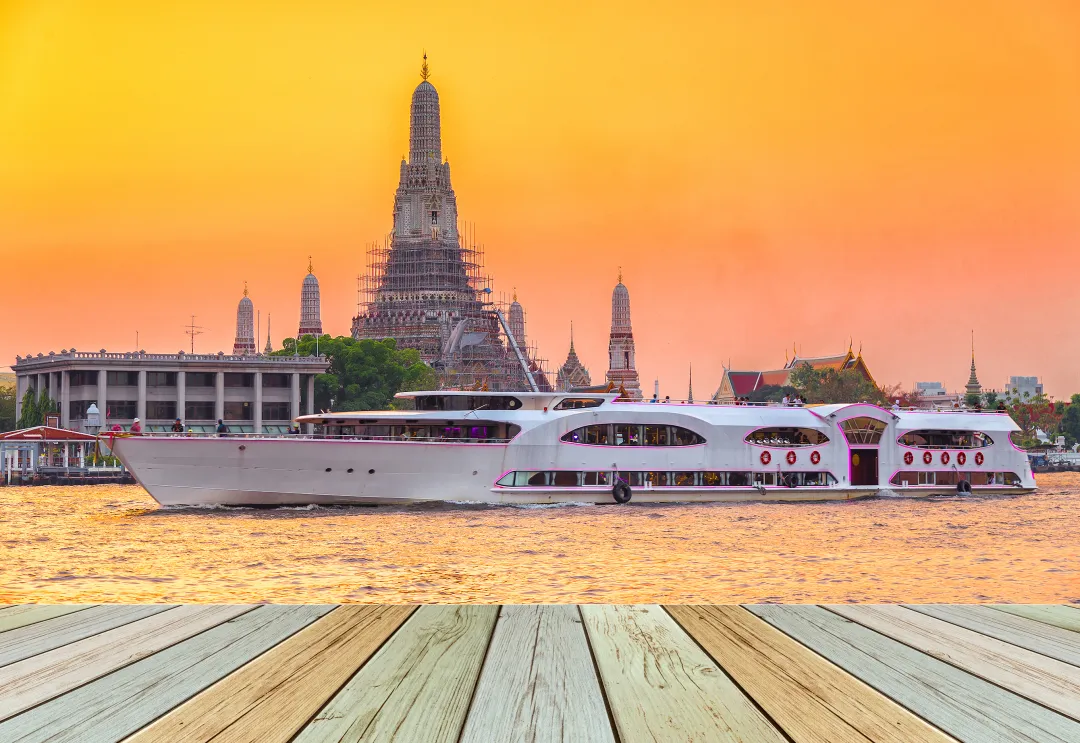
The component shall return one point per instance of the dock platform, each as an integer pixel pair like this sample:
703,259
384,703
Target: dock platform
486,673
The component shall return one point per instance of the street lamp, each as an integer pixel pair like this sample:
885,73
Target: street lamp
93,419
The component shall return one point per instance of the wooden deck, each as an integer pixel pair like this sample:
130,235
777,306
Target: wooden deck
485,674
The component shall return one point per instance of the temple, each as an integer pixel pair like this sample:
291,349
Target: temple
244,344
739,384
572,374
310,308
425,288
269,346
622,372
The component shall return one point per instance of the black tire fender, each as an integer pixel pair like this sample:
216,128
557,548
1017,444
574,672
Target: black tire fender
621,492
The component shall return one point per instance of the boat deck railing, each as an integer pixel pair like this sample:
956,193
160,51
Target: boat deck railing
312,436
775,404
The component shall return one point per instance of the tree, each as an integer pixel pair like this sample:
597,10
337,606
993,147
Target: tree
34,409
771,393
1070,421
363,374
7,407
973,399
991,399
832,386
1033,414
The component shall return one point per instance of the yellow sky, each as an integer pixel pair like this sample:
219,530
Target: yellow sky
765,172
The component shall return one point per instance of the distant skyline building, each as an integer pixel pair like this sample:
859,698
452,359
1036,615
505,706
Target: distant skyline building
310,305
1023,387
244,344
572,374
426,288
622,369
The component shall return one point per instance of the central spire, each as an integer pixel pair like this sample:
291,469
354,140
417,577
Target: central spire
425,136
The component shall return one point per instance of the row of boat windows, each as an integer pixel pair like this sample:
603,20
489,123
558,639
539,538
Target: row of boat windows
435,432
572,479
945,439
632,434
951,477
467,402
787,437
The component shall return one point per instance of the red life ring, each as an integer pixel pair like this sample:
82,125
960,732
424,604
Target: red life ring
944,457
961,458
791,457
927,457
908,457
815,457
978,457
765,457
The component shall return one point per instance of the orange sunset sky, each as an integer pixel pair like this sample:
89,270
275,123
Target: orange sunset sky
765,172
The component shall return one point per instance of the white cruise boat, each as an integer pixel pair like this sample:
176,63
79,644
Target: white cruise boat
522,448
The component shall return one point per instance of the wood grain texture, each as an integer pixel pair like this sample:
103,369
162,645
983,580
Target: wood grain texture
1064,617
121,703
417,687
41,637
965,706
1041,679
13,617
1052,642
42,677
270,699
661,686
538,661
806,695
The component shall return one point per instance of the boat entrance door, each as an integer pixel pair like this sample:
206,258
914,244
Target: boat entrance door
864,466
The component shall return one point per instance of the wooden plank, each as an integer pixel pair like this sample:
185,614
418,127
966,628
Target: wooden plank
271,698
1041,679
661,686
13,617
1052,642
1058,616
121,703
965,706
41,637
538,661
417,687
42,677
806,695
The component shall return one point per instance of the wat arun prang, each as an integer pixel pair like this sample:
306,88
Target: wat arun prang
426,287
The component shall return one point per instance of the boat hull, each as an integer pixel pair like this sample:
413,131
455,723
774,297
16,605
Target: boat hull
181,471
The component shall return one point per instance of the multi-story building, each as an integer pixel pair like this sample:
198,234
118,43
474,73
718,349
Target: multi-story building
1021,387
251,394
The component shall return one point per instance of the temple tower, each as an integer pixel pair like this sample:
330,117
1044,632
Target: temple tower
517,321
244,345
973,387
269,346
426,288
622,371
310,305
572,374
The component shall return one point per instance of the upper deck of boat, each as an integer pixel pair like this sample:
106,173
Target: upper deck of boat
520,406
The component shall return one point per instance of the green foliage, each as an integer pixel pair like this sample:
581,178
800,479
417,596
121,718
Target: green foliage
34,409
7,407
973,399
991,399
365,374
771,393
832,386
1070,422
1033,414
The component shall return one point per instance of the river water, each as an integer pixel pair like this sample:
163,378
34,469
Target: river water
114,544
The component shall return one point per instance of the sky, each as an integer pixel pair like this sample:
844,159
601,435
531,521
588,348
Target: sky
768,174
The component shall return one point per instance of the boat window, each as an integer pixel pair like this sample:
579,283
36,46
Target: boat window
597,478
574,403
538,478
467,402
932,439
912,478
787,437
632,435
565,479
863,430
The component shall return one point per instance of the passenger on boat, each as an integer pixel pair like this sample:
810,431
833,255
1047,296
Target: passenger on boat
177,426
896,406
222,429
136,427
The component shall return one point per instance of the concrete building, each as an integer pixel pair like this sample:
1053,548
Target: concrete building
1021,387
252,394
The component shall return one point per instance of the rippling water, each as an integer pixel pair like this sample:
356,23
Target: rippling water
113,544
